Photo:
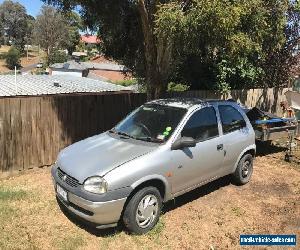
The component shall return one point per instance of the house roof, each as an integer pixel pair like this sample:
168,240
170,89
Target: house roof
70,65
90,39
50,85
79,53
105,66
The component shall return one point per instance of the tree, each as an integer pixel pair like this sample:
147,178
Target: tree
14,20
127,31
74,26
57,56
231,44
29,31
2,38
50,29
207,44
13,58
284,62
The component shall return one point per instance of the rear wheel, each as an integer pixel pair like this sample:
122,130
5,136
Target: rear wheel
244,170
143,210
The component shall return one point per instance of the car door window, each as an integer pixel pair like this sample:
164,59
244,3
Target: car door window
231,119
202,125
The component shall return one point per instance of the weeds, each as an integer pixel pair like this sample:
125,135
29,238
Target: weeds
9,194
237,211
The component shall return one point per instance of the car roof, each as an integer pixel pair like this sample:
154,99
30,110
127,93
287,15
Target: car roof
188,102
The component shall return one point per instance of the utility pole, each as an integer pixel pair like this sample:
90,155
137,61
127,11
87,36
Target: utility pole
16,86
27,38
27,51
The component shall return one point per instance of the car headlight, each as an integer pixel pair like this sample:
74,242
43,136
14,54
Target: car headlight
95,184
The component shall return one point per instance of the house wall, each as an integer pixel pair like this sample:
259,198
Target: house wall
65,73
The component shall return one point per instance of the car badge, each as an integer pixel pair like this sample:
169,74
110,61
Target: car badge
64,177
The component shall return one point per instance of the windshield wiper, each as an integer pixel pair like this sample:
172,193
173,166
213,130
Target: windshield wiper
146,138
120,133
150,139
124,134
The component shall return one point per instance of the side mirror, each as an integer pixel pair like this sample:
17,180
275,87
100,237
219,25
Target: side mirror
183,142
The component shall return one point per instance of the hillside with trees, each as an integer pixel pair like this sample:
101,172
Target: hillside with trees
24,38
54,31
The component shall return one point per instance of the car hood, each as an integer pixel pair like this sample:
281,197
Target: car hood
98,155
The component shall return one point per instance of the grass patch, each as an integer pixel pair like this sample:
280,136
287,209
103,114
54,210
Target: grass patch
6,212
70,243
9,194
156,231
105,241
127,82
237,211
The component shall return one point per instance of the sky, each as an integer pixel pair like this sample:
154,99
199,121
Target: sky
32,6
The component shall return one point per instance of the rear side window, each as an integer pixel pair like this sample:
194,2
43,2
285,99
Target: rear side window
231,119
202,125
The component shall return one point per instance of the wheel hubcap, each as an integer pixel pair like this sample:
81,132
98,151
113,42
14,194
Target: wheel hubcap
246,169
146,211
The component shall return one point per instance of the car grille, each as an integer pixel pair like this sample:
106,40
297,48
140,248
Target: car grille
67,178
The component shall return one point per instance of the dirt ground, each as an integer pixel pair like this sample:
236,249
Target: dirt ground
211,217
33,58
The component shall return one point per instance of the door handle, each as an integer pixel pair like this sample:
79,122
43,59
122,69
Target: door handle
220,147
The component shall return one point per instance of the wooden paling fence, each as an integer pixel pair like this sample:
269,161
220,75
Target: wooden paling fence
34,129
265,99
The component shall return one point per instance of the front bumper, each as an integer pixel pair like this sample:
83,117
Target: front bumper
105,212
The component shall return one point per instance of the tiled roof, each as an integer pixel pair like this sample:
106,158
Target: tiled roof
90,39
105,66
50,85
70,65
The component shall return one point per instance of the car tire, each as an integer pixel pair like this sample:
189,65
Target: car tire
244,170
143,210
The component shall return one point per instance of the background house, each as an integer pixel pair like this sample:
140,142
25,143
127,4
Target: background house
104,71
108,71
28,85
89,39
71,68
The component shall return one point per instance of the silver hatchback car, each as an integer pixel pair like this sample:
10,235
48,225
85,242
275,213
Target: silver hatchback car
161,150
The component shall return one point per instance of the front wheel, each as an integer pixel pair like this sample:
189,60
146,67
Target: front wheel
244,170
143,210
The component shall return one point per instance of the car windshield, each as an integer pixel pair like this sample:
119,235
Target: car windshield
151,122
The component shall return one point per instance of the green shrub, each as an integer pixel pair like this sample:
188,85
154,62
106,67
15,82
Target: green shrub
127,82
57,56
13,58
3,55
85,58
177,87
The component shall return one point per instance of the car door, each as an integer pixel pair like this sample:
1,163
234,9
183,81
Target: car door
235,135
194,165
